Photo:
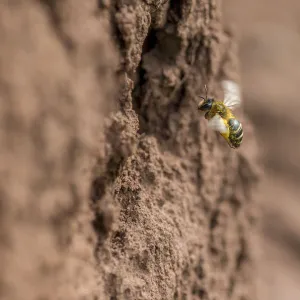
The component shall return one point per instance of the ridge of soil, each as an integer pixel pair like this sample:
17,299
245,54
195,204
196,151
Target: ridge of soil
127,199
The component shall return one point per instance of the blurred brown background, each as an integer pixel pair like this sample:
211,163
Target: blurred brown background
269,41
158,225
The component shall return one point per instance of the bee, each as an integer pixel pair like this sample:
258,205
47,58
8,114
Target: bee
219,114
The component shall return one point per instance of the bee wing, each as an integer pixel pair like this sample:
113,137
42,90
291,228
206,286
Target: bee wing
232,94
216,123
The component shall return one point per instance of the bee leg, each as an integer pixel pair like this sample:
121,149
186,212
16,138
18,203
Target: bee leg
206,116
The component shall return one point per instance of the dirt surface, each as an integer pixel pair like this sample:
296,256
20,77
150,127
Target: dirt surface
111,185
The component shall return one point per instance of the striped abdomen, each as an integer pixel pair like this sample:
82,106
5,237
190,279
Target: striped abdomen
235,133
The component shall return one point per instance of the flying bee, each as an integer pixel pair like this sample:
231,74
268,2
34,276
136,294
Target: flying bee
220,117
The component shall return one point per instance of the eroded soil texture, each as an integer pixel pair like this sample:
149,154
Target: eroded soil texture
112,187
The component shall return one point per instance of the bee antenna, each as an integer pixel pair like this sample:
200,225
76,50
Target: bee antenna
205,87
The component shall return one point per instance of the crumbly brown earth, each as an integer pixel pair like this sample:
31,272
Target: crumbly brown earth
111,185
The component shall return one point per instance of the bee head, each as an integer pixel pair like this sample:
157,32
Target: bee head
206,104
